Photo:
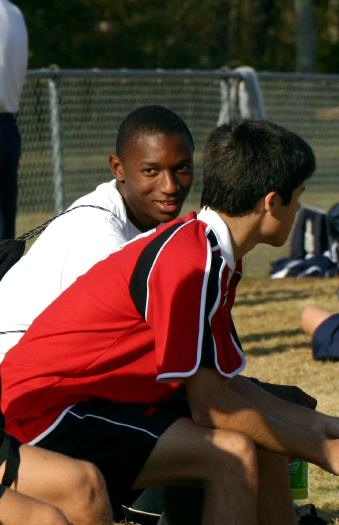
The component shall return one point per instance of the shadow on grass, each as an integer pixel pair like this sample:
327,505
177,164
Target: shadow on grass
253,338
283,346
257,352
276,296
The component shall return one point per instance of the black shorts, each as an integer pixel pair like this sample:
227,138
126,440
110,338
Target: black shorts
117,438
325,342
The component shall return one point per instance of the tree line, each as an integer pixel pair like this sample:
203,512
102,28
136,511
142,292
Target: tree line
272,35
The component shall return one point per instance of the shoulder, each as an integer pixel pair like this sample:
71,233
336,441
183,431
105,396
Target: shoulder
184,229
181,244
105,195
188,233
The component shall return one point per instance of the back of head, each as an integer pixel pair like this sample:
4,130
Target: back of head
247,159
149,120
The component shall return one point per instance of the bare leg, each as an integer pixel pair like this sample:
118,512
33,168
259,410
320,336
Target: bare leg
275,506
223,462
182,505
75,487
312,317
16,509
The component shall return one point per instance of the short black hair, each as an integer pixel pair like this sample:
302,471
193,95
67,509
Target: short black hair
149,120
246,159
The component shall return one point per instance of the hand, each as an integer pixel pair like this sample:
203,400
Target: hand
293,394
331,449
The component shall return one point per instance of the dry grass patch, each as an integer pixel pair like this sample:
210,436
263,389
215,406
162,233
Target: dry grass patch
267,314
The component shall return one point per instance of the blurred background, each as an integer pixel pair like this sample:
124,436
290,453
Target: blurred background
93,61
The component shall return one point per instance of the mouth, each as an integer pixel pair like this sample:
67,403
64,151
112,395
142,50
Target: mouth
169,206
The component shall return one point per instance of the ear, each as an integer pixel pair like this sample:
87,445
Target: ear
117,168
271,201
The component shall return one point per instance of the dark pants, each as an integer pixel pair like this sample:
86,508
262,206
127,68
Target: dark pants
10,149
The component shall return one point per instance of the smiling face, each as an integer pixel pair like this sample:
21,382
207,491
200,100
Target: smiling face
154,177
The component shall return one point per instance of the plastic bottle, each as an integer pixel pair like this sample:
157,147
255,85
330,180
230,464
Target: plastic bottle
298,477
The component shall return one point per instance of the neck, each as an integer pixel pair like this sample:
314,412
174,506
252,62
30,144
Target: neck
243,232
132,218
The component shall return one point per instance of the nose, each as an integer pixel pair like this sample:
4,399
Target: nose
169,183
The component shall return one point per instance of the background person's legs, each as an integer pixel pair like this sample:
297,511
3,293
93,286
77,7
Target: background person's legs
10,148
323,327
312,317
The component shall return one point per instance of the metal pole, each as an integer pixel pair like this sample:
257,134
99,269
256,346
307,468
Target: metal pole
224,109
56,145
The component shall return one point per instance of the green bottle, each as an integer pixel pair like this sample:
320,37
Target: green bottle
298,477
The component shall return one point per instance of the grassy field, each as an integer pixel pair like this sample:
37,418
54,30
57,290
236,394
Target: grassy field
267,316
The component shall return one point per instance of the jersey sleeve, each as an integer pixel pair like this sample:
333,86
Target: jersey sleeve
176,300
179,286
184,290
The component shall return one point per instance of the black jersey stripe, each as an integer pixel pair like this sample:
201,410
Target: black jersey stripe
212,239
138,282
213,288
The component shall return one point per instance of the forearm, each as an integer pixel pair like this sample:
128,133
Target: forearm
292,413
276,406
214,403
269,432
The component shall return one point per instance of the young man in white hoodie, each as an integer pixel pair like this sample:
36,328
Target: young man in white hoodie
152,175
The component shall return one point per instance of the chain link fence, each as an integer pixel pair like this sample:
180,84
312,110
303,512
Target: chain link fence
69,119
309,105
68,122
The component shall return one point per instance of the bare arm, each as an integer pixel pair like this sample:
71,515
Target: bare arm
289,412
215,404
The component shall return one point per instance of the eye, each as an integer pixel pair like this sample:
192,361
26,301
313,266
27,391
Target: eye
185,168
150,171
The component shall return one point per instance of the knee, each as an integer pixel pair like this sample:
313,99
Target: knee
226,456
90,480
91,501
234,450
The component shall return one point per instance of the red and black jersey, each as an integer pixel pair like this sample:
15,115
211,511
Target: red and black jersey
130,329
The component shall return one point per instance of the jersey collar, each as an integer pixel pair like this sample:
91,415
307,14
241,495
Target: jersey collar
221,231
